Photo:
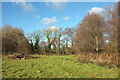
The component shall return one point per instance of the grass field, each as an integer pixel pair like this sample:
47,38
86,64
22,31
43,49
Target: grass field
66,66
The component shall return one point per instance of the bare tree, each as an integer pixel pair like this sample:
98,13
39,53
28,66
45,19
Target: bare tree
59,37
34,39
89,35
51,34
12,38
113,19
48,34
68,34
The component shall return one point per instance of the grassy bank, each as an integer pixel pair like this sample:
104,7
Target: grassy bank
66,66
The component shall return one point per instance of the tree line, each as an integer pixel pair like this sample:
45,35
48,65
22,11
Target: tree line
95,34
50,40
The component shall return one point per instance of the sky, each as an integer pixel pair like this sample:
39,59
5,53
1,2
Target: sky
33,16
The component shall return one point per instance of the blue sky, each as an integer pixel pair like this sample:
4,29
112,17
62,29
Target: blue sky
33,16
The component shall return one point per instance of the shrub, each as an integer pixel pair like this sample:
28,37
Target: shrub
100,59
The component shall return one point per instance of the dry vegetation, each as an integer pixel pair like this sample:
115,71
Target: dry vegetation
100,59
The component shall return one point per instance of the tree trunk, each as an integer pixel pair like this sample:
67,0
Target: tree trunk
66,44
59,43
97,44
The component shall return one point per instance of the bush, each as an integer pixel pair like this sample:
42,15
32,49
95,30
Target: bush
100,59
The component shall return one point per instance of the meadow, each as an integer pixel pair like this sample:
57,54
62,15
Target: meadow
56,66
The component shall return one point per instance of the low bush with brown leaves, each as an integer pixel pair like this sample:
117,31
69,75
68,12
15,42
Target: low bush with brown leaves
110,59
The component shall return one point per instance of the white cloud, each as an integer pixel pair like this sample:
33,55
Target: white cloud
97,10
56,4
52,28
66,18
36,16
27,7
49,21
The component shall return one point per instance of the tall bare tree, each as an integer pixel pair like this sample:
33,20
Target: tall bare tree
60,31
89,35
48,34
68,34
113,19
34,39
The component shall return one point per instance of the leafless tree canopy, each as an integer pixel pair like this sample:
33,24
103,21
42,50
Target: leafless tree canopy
89,34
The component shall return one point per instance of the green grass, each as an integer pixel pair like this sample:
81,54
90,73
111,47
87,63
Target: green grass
66,66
